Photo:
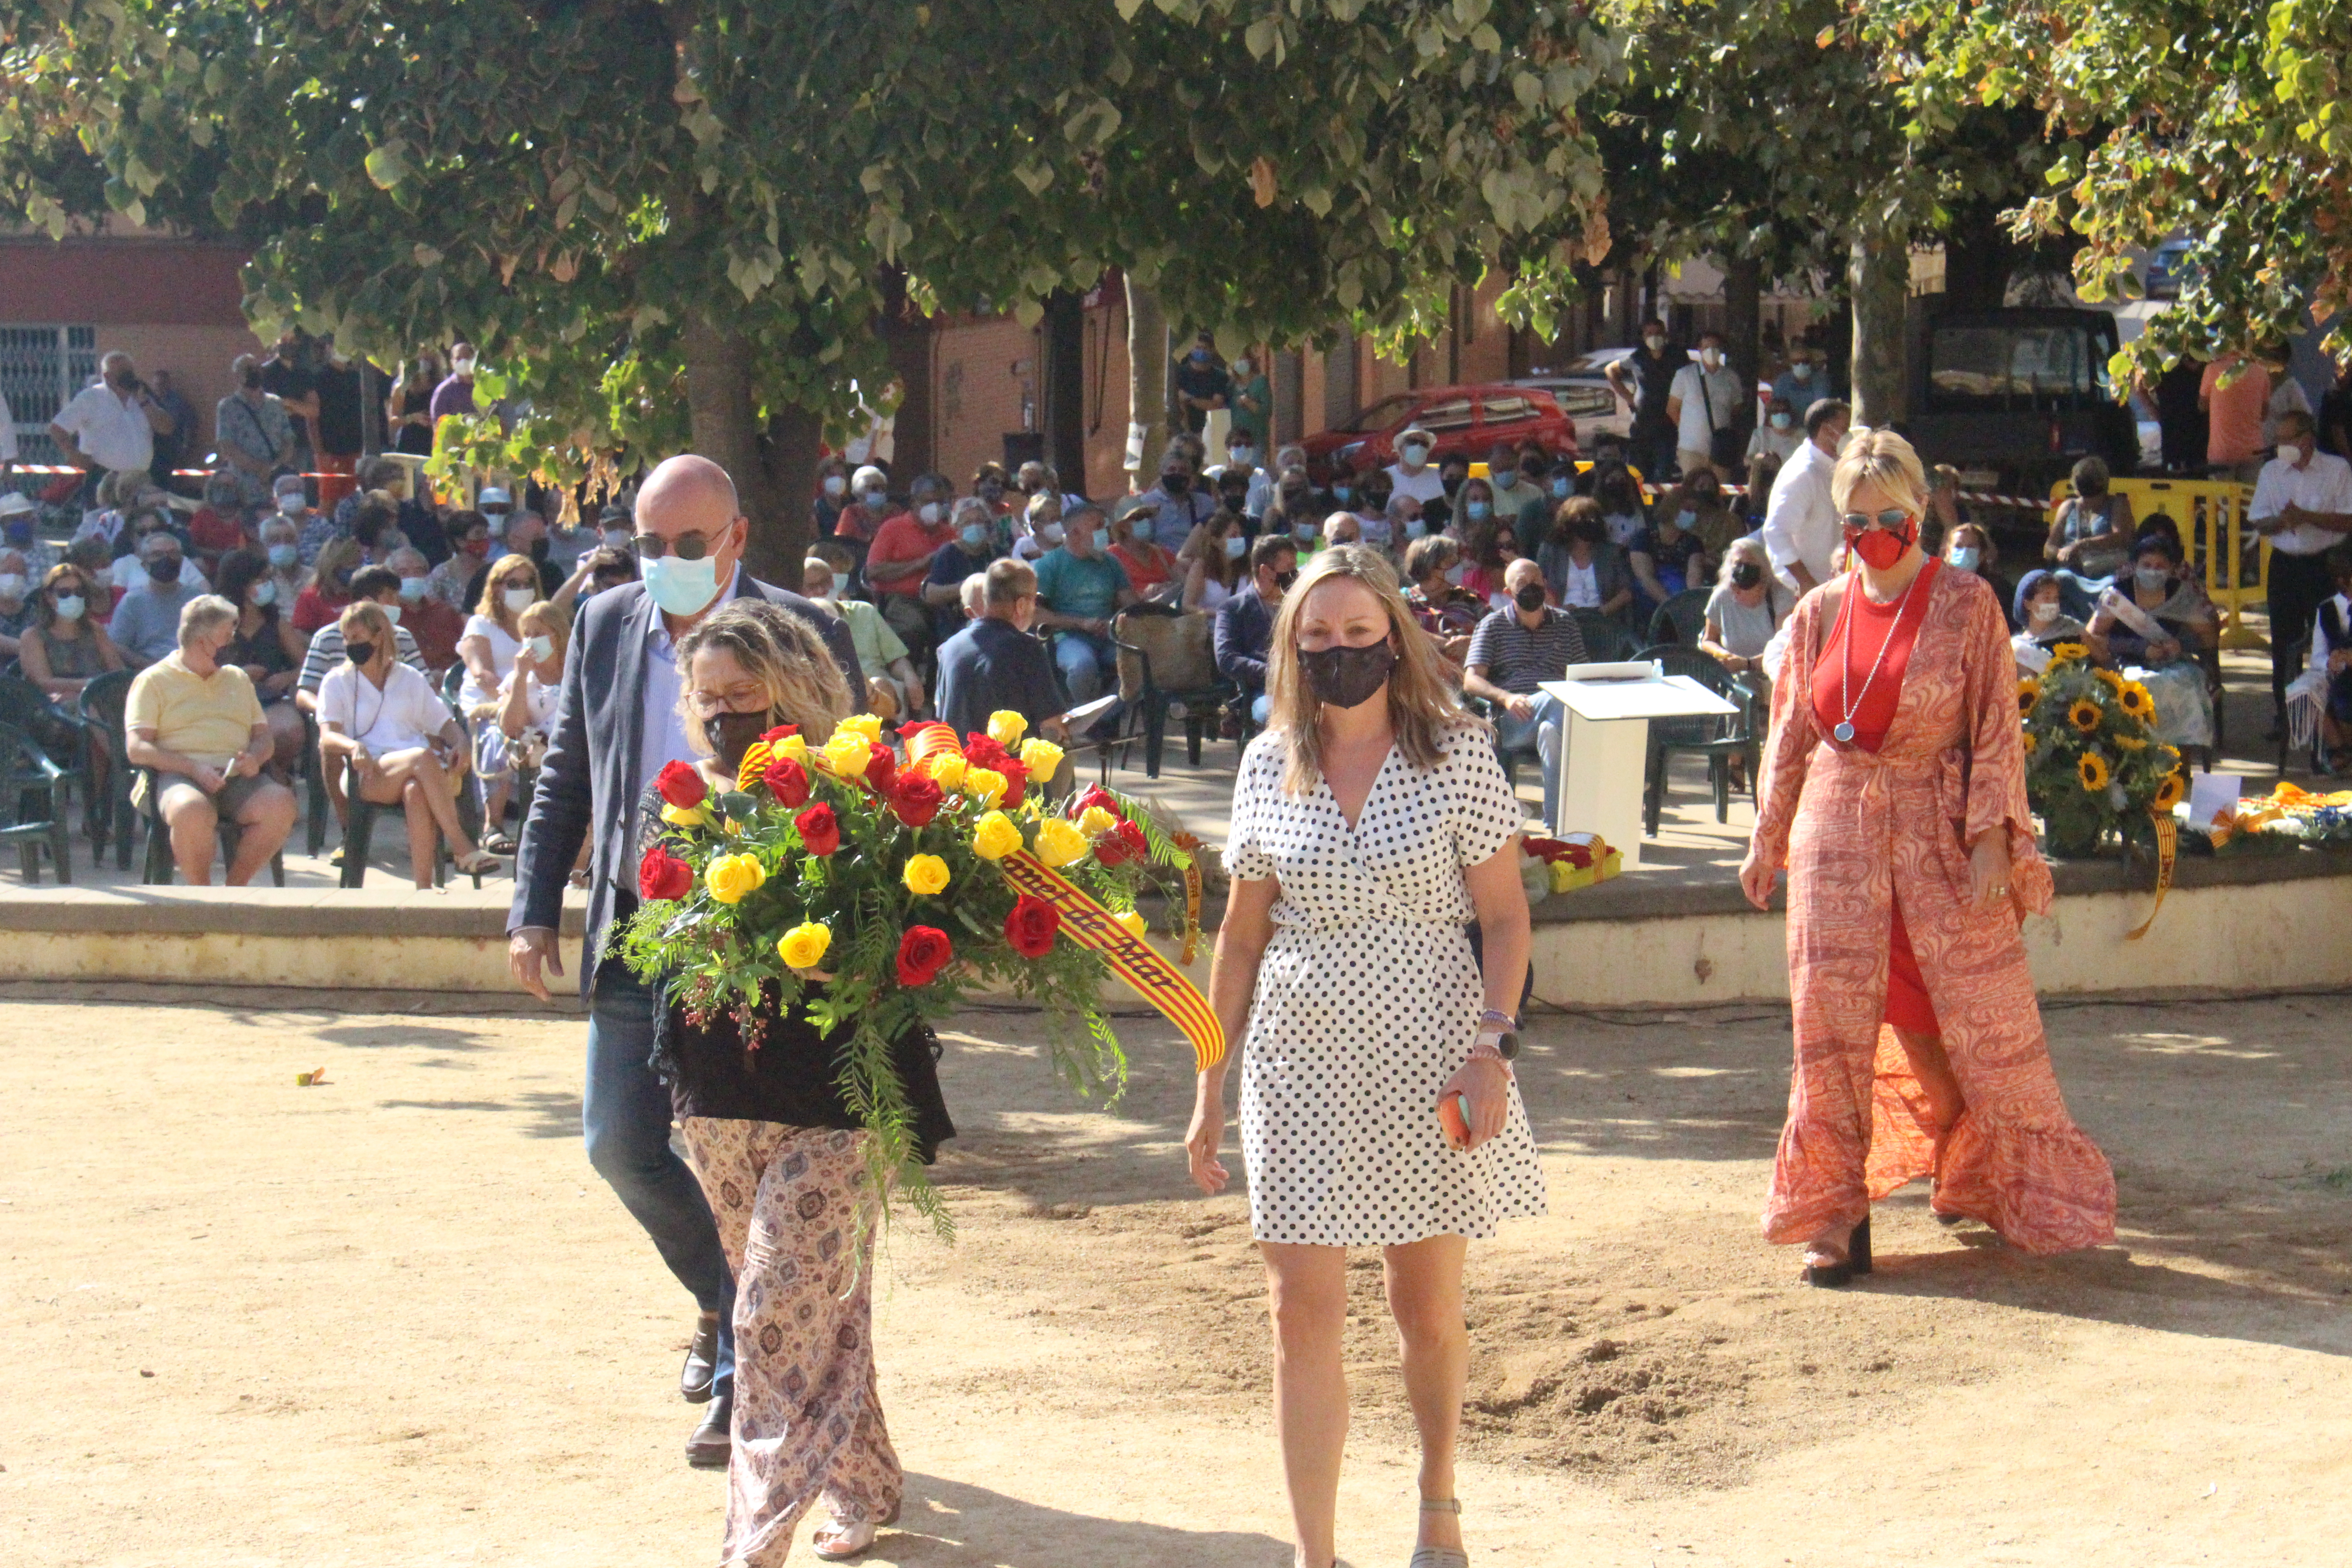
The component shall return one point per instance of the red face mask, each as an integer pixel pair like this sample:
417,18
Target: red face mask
1880,548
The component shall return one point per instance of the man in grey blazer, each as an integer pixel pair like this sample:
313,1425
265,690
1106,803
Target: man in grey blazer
615,725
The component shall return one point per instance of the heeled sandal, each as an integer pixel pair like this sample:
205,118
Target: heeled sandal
848,1540
1440,1556
1855,1261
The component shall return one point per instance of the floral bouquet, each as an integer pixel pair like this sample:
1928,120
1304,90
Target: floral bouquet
2092,759
875,885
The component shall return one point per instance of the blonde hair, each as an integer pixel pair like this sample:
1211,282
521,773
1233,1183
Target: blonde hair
340,554
1422,702
782,653
492,604
1881,458
369,613
543,618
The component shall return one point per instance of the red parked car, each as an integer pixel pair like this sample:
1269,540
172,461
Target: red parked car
1466,422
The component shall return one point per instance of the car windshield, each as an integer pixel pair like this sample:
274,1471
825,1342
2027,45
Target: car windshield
1983,367
1381,416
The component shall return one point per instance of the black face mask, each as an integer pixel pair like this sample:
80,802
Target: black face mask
1235,498
1294,500
1746,575
735,732
359,652
1451,482
253,380
1530,597
166,570
1175,484
1283,580
1346,677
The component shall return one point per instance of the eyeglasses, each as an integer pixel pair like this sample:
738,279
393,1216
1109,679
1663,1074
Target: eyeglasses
1890,520
686,546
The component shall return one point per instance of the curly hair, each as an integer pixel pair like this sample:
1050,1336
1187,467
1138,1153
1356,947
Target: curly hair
780,651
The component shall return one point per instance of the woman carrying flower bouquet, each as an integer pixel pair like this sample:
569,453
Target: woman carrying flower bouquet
1895,794
778,1151
1370,823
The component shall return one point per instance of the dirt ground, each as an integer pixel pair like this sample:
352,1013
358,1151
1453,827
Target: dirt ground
396,1320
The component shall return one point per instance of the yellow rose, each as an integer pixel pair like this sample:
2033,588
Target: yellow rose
803,946
1135,924
733,876
925,874
686,817
1041,758
946,768
791,746
985,785
1094,822
866,725
994,836
847,754
1005,728
1058,843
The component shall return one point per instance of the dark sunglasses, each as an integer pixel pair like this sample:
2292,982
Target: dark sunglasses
686,546
1890,520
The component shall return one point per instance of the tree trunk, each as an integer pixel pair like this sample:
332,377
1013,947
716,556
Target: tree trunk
1146,374
1978,256
779,538
1289,412
724,420
1065,411
1878,272
1743,311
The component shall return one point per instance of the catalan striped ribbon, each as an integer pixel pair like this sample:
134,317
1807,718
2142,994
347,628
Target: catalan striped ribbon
1136,960
2167,846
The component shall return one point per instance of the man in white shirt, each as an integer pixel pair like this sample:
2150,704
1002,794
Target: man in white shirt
1705,398
1412,474
2303,504
111,425
1801,524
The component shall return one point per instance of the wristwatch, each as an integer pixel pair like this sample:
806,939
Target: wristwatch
1500,1030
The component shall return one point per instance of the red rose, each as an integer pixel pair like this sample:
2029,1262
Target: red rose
923,951
780,731
681,785
982,752
881,767
1031,926
662,875
916,798
789,781
1138,848
1092,795
1016,778
819,831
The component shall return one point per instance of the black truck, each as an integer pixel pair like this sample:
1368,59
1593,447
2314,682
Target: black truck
2014,398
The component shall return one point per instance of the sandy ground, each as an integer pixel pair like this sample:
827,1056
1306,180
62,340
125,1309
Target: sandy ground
396,1320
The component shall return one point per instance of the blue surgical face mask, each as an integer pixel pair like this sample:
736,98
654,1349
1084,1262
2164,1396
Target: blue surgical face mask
1416,527
1479,510
265,592
1343,494
974,537
414,587
1782,421
282,555
1687,519
1236,547
1965,556
1306,529
682,587
69,607
1560,488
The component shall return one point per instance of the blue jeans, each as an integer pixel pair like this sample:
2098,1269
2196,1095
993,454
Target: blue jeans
1085,660
1544,727
625,1114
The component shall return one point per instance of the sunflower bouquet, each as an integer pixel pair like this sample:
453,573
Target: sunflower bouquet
868,882
2093,763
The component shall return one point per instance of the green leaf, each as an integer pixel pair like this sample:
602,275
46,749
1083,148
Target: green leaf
387,165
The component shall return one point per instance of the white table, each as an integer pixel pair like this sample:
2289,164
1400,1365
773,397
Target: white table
1605,749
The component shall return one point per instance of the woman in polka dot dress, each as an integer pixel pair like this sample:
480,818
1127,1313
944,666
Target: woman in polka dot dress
1371,822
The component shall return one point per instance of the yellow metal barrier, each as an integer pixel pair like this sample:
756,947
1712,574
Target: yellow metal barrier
2213,517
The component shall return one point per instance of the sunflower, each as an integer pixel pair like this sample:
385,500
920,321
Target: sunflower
2084,715
2169,792
2030,742
2066,653
2029,692
2135,700
2113,681
2129,743
2093,770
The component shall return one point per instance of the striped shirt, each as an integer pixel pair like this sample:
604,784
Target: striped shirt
1518,660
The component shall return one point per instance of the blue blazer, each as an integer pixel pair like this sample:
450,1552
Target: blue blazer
589,784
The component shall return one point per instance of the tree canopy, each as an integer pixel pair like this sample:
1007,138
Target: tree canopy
677,221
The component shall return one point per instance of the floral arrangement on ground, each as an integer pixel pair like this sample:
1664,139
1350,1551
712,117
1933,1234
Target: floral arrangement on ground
2093,763
865,881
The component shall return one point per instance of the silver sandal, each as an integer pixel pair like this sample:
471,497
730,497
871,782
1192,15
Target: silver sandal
1440,1556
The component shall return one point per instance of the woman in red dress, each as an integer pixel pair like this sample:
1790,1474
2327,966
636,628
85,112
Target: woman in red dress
1894,792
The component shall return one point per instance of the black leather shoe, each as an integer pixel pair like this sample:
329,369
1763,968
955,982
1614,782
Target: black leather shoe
701,1360
711,1444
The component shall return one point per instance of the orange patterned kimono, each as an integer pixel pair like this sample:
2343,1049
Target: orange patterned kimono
1860,831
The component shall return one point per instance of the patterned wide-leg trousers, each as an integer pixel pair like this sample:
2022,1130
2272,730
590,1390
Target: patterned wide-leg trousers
808,1414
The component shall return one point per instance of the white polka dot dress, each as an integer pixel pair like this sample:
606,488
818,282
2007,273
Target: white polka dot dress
1367,1001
